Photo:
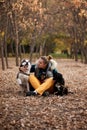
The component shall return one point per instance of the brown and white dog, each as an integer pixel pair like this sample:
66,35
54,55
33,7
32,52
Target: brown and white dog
23,75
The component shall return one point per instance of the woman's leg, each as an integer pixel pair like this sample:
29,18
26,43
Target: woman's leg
34,81
47,85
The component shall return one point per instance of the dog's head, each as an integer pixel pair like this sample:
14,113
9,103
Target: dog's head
59,78
26,64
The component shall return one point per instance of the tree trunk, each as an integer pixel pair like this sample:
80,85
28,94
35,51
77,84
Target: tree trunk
82,56
31,52
12,48
37,51
20,52
41,50
75,52
2,55
23,49
5,42
16,40
82,52
85,54
5,48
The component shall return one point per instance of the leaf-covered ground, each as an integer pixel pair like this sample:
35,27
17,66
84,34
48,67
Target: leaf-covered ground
18,112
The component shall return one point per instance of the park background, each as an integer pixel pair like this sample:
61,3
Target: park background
30,29
42,27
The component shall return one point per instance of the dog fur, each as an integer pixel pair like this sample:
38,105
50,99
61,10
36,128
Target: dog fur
23,77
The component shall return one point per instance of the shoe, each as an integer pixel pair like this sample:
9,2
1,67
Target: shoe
31,93
45,94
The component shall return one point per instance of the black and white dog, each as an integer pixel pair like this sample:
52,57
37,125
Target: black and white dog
23,75
59,87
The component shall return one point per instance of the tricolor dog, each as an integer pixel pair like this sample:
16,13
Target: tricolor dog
23,75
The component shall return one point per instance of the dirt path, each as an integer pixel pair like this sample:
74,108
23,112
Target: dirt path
45,113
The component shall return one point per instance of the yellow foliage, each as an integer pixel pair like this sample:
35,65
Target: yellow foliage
85,43
62,44
2,33
59,44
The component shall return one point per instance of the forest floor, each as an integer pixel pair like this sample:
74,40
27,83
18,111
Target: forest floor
18,112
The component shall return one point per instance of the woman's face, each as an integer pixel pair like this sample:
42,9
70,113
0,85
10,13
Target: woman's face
41,64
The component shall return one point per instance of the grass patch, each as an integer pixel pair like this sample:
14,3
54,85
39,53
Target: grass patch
60,56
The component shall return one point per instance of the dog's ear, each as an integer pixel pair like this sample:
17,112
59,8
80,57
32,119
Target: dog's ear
57,76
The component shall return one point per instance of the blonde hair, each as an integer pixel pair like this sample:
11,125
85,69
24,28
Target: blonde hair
45,59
